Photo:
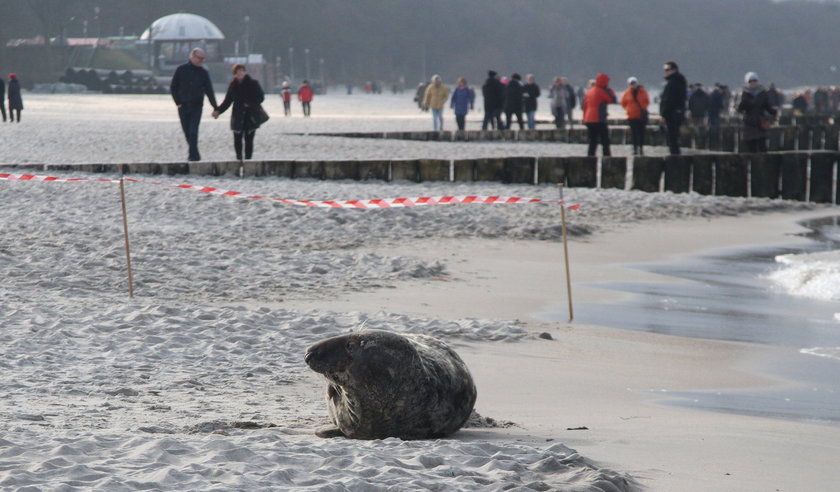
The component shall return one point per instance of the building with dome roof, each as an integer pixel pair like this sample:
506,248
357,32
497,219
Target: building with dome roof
170,39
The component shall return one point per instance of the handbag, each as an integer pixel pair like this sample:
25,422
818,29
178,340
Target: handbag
258,116
764,123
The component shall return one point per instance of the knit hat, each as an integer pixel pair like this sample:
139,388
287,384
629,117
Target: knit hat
632,80
491,74
750,76
12,76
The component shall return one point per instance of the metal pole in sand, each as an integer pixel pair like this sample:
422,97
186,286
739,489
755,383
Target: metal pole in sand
125,232
566,252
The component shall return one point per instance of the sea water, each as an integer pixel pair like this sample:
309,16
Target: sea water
784,297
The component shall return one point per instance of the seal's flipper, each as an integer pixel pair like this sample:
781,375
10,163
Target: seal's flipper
328,432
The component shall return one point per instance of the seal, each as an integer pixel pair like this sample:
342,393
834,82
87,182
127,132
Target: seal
383,384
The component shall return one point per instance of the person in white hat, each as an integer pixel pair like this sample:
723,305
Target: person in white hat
758,113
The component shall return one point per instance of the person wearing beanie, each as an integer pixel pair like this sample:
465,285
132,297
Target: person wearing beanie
286,95
757,112
494,96
635,101
15,99
514,93
595,114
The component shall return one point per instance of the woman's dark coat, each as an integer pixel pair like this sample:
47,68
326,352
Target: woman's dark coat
15,101
513,96
248,92
755,106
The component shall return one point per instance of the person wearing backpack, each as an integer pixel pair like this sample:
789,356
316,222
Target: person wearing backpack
635,101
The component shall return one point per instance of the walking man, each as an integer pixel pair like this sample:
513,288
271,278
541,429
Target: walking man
672,105
435,98
189,85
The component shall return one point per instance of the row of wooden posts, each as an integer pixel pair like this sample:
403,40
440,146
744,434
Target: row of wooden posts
722,138
804,176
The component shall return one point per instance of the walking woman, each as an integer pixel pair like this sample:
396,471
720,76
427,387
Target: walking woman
462,102
246,95
595,114
635,102
757,110
15,101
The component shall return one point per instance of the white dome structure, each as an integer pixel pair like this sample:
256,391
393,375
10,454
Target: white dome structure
168,41
182,27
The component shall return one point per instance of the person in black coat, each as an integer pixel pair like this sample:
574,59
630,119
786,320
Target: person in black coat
494,96
757,110
246,95
3,98
698,104
513,100
715,106
189,85
672,105
15,99
531,92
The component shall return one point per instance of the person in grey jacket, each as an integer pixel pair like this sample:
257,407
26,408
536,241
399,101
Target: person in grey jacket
15,100
189,85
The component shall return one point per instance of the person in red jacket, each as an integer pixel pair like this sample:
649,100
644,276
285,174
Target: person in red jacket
305,95
595,113
286,94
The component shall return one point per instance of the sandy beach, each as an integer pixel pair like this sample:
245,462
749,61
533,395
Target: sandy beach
198,381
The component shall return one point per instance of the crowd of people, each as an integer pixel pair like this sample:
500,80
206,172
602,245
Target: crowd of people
510,97
506,98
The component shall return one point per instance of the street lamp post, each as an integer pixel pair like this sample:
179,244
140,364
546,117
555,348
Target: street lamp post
247,35
98,24
306,59
292,64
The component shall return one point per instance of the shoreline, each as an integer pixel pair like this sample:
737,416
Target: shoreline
617,383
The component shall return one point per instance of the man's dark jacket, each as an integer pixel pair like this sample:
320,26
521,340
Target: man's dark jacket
672,99
189,85
494,94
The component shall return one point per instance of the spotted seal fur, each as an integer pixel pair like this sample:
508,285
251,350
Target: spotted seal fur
383,384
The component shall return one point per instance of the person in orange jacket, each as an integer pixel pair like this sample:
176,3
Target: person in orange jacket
595,113
305,95
635,101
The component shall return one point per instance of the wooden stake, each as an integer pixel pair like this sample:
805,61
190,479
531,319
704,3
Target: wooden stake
125,232
566,253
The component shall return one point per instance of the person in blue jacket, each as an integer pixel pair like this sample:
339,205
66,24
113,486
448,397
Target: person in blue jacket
463,99
190,83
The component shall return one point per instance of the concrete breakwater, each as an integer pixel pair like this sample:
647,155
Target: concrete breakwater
796,175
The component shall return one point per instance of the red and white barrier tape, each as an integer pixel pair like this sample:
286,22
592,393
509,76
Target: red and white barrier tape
364,204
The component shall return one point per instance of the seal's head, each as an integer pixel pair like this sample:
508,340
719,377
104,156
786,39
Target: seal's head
371,356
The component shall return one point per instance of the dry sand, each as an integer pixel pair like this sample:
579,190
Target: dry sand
103,392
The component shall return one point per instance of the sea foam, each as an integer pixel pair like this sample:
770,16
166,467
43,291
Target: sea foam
812,275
